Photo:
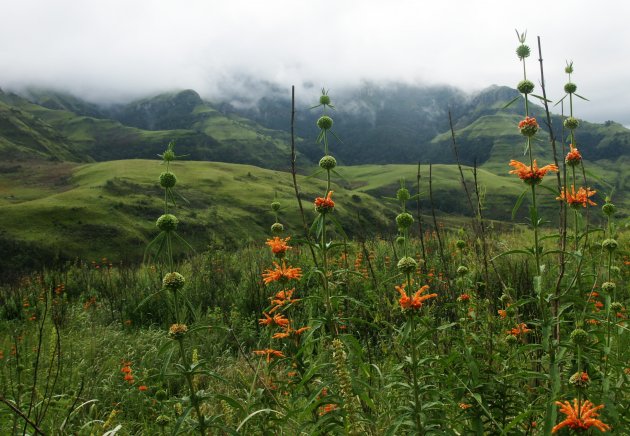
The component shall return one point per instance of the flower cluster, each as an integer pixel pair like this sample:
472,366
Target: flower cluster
324,205
520,330
578,198
279,246
281,273
573,157
528,126
580,416
416,301
532,175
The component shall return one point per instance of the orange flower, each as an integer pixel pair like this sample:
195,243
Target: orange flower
282,298
502,313
270,353
463,297
573,157
129,378
580,416
278,245
281,273
519,330
528,126
416,301
278,319
142,388
464,406
531,175
323,205
288,331
327,408
579,198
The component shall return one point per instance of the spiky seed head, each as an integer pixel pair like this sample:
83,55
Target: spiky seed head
522,51
168,156
162,420
328,162
167,222
579,337
404,220
610,244
403,194
570,88
277,228
173,281
616,306
511,339
571,123
275,206
325,122
609,209
609,287
525,86
167,180
324,99
462,270
461,244
407,265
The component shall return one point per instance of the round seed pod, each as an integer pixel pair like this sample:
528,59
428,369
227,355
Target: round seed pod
608,209
522,51
571,123
161,395
569,68
325,122
324,99
328,162
173,281
525,86
277,228
403,194
570,88
167,180
400,240
511,339
407,265
462,270
609,287
167,222
162,420
404,220
610,244
275,206
616,306
168,156
579,337
461,244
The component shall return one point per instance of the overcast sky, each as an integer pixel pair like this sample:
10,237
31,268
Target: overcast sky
116,50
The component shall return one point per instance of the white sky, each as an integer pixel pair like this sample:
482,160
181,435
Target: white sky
115,50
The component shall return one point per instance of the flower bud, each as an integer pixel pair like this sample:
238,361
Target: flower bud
461,244
571,123
277,228
168,156
325,122
327,162
608,209
324,99
525,86
511,339
167,180
173,281
403,195
570,88
404,220
579,337
162,420
610,245
407,265
522,51
161,395
609,287
275,206
167,222
462,270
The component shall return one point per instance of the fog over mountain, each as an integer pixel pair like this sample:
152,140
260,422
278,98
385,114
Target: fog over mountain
117,51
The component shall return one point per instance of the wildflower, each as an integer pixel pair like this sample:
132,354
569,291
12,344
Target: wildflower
270,353
278,319
128,378
327,408
571,123
142,388
519,330
502,313
177,331
609,286
282,298
580,416
573,157
580,379
531,175
528,126
281,273
579,198
416,301
290,332
278,246
126,369
464,297
465,406
324,205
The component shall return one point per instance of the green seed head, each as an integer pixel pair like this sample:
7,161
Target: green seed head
616,306
325,122
167,180
579,337
161,395
571,123
525,86
324,99
328,162
610,245
404,220
462,270
277,228
461,244
400,240
608,209
162,420
173,281
569,68
407,265
570,88
609,287
403,195
615,270
167,222
522,51
168,156
511,339
275,206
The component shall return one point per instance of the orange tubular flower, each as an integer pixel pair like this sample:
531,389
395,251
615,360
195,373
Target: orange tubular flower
528,126
502,313
270,353
288,331
573,157
278,319
579,198
416,301
281,273
519,330
323,205
278,245
531,175
580,416
282,298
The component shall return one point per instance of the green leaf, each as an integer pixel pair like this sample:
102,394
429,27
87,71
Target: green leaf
541,98
511,102
579,96
518,203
